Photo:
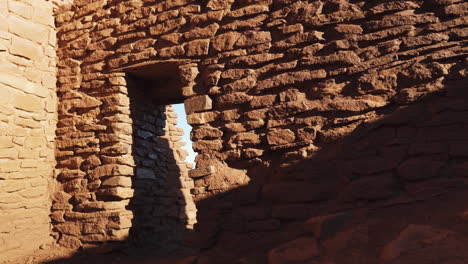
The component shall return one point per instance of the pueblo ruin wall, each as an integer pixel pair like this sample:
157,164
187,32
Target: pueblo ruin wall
298,109
28,117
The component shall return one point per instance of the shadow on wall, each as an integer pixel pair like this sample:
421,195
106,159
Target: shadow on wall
392,159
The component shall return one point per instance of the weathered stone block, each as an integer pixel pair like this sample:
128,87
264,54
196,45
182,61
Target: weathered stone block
201,118
118,181
201,172
112,170
29,30
206,132
207,145
197,47
225,41
26,48
219,4
280,136
197,104
29,103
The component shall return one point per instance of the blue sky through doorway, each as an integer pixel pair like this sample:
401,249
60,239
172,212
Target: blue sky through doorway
182,123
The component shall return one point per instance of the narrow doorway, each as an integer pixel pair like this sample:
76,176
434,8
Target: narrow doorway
163,208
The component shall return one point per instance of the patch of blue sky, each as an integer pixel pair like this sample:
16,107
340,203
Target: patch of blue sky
182,123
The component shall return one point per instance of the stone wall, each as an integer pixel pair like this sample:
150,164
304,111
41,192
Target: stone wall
298,108
27,124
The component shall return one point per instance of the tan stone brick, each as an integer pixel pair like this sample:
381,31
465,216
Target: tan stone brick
10,198
20,8
43,14
29,103
8,166
8,153
27,123
34,32
118,181
34,192
25,48
5,94
118,192
6,142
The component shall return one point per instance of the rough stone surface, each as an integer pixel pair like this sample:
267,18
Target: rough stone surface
299,109
28,117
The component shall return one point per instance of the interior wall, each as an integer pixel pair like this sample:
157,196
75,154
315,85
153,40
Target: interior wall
28,117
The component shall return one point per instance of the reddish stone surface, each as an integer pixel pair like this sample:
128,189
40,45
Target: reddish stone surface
300,110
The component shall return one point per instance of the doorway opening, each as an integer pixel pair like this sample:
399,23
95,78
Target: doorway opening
163,208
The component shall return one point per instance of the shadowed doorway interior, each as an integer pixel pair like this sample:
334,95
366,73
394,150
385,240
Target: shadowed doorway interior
164,212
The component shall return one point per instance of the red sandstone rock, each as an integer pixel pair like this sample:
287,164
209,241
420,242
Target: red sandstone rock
413,237
280,136
299,250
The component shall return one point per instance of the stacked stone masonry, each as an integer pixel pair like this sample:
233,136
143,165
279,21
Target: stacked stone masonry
298,109
28,118
271,84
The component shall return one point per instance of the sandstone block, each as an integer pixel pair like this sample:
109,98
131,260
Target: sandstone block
244,139
263,101
280,136
197,104
255,59
167,26
197,47
117,192
219,4
234,98
206,32
172,51
252,153
249,10
225,41
29,103
121,181
71,174
291,78
21,8
112,170
201,172
205,132
26,29
8,153
207,145
117,149
241,85
69,242
26,48
201,118
253,38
